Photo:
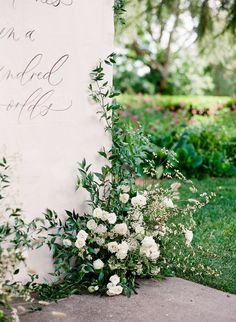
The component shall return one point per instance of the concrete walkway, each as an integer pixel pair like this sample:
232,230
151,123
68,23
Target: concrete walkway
172,300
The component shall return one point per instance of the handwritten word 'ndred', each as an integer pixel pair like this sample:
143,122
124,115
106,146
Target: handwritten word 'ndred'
32,72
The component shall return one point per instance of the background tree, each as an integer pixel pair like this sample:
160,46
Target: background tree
158,33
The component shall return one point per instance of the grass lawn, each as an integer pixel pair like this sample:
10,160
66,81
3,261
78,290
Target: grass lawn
216,230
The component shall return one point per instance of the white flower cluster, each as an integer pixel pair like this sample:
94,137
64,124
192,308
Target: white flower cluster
149,248
98,264
121,250
104,216
139,201
81,239
109,244
113,287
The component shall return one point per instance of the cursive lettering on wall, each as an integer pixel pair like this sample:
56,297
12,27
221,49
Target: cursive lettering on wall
32,71
39,80
37,104
10,33
53,3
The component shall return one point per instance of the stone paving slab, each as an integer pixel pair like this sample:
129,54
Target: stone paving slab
171,300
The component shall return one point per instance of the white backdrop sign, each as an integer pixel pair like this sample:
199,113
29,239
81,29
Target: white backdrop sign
47,50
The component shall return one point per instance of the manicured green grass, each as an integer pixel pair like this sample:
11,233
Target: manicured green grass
216,231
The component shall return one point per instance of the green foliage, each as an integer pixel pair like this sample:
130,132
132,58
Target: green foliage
188,74
201,130
15,241
129,82
119,10
215,231
139,224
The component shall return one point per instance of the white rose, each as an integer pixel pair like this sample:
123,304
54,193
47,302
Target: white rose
148,241
82,235
120,229
80,243
124,197
122,250
154,252
112,218
124,246
121,255
125,188
100,241
104,215
113,247
101,229
81,239
168,203
115,279
97,213
139,229
139,201
91,224
149,248
98,264
188,237
133,244
67,242
114,290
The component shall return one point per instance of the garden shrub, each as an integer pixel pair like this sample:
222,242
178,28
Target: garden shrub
204,144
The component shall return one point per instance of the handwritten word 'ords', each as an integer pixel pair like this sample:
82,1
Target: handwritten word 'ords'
37,104
54,3
32,71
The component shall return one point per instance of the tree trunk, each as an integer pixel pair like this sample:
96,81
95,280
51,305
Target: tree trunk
163,85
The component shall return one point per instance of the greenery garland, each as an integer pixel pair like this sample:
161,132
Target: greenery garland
119,10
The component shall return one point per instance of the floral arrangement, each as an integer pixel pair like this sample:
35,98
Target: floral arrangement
109,248
16,239
13,244
129,232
